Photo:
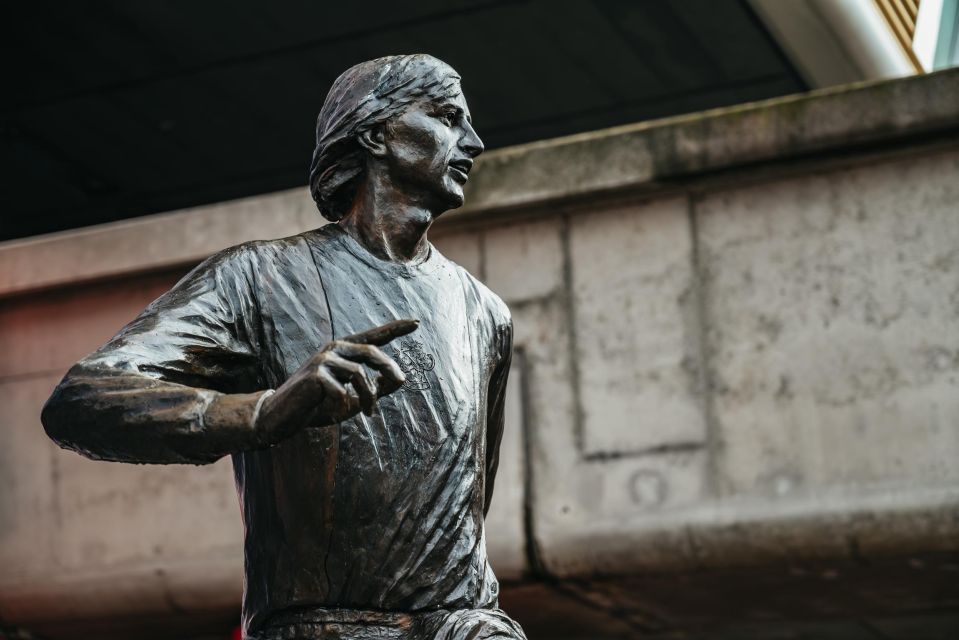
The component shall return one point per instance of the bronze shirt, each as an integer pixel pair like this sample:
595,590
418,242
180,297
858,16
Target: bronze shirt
382,512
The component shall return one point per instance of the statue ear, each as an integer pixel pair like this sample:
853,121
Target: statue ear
374,141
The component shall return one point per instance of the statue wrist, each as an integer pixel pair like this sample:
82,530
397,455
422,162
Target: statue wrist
233,419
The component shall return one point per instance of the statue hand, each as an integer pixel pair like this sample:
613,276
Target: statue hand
334,384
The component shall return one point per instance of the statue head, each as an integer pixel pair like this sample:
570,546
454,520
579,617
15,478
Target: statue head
402,116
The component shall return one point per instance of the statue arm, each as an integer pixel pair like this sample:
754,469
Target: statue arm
496,408
106,414
184,382
174,386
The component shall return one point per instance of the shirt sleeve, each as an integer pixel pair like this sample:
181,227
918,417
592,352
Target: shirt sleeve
496,405
180,384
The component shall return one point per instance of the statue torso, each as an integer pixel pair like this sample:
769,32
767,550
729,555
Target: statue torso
382,512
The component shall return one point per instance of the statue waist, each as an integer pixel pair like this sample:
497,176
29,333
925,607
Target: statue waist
359,624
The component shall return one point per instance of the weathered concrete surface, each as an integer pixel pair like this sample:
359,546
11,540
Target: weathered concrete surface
85,540
826,330
832,307
643,157
735,402
633,294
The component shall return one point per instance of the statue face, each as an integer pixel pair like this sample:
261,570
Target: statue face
430,149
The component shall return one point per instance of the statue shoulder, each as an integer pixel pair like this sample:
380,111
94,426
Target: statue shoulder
486,298
241,273
254,255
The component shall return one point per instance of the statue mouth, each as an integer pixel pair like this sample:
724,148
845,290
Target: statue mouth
461,169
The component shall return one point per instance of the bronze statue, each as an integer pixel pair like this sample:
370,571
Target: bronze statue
364,458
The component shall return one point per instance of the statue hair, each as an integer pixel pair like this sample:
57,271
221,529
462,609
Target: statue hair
364,96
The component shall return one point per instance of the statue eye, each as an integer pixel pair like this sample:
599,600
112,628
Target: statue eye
448,117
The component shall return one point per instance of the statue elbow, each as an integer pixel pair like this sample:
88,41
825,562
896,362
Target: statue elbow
54,419
63,423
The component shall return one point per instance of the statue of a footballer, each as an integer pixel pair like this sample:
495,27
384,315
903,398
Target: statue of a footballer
355,375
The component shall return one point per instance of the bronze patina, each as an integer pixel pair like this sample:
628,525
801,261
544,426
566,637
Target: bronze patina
364,457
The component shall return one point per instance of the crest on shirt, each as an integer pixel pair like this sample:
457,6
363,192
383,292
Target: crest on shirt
415,362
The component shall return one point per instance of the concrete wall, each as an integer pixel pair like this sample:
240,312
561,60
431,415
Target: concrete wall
737,357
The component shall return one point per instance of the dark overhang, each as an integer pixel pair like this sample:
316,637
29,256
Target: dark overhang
120,109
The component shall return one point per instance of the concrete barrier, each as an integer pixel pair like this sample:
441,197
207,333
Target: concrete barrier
737,358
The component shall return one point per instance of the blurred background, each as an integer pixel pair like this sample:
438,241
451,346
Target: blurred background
727,232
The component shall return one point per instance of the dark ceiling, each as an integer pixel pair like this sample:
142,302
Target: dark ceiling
119,109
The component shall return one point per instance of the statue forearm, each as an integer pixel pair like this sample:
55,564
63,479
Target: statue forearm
108,412
128,417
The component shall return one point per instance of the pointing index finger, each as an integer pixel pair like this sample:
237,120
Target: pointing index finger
385,333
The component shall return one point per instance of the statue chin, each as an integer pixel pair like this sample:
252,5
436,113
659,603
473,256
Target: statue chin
455,204
454,200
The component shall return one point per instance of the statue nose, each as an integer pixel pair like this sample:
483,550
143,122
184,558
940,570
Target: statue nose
471,142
